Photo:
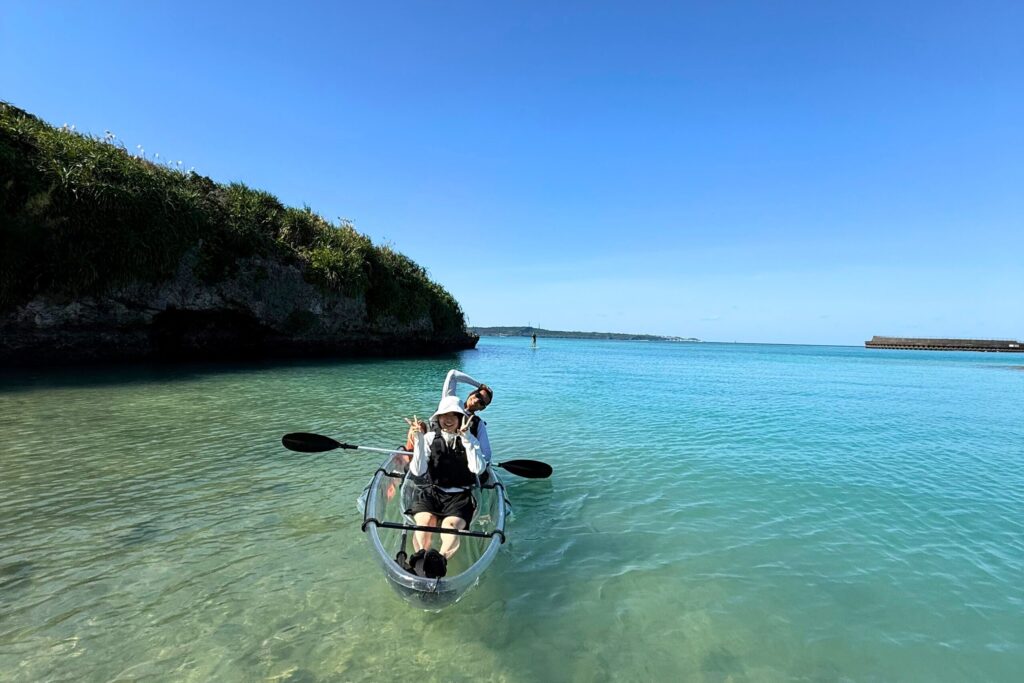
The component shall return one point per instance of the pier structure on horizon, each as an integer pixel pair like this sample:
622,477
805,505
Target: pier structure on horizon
926,344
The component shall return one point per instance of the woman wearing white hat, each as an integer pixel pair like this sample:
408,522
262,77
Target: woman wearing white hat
445,466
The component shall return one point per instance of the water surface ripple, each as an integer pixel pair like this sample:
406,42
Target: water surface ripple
718,512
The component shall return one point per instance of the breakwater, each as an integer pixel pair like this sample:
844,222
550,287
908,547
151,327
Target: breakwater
924,344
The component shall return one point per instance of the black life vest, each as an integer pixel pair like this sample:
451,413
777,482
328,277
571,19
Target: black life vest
448,466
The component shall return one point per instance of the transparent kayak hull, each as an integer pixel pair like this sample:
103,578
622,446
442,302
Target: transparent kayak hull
388,530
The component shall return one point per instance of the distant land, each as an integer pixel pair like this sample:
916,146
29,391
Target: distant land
561,334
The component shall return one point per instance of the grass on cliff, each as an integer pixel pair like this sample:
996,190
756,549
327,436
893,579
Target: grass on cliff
80,214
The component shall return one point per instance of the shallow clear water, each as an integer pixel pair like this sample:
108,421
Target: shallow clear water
718,512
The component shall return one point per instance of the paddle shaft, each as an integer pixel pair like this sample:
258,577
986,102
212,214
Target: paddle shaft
376,450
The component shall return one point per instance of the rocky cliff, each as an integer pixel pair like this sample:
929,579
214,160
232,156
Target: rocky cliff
107,256
266,309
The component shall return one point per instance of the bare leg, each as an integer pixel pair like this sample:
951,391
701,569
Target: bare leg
450,542
421,539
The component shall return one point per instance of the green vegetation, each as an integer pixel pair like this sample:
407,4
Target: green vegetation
80,214
529,331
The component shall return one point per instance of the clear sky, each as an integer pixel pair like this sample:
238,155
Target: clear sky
774,172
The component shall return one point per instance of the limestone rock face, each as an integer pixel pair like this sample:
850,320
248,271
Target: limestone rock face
266,308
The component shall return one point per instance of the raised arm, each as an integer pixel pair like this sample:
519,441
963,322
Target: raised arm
454,378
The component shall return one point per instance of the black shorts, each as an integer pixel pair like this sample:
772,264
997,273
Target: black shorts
442,504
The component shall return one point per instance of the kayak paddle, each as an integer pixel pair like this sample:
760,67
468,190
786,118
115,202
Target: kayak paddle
304,442
528,469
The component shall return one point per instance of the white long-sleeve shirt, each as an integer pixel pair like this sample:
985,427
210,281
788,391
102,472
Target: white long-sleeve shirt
421,453
451,381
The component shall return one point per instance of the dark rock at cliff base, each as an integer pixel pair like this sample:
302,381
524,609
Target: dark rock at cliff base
267,309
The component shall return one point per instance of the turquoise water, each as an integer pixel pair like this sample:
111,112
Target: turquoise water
717,512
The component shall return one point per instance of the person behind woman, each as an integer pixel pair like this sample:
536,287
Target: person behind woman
477,401
446,464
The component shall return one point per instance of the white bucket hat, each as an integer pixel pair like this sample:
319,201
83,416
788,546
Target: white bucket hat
449,404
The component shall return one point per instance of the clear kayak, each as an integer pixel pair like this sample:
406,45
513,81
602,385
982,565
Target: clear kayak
390,532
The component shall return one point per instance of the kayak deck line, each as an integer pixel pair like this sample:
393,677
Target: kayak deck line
433,529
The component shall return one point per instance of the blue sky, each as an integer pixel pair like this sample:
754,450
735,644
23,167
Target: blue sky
769,172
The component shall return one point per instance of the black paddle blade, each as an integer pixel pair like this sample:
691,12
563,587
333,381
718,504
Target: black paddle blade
303,442
531,469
